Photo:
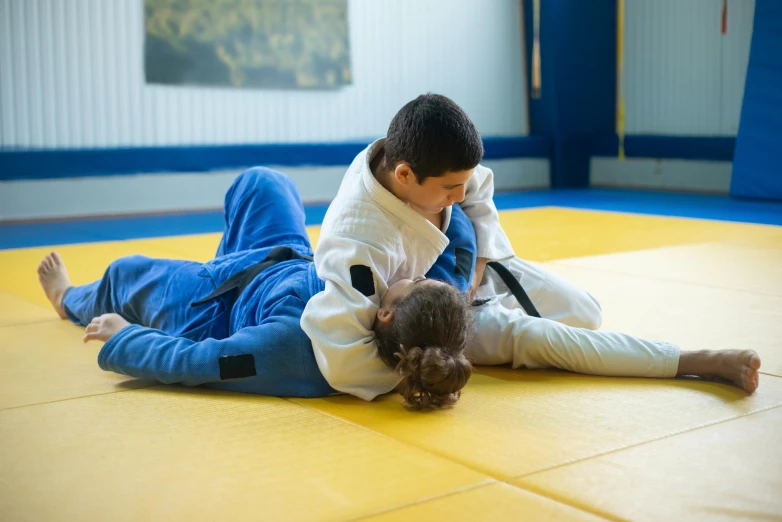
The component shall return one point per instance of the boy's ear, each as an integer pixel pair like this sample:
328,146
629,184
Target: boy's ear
385,315
404,174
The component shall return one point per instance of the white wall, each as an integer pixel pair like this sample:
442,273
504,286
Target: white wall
662,174
71,76
682,75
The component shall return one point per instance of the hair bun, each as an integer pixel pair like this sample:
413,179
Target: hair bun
409,360
434,376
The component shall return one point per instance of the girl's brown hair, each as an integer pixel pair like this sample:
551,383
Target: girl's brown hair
425,344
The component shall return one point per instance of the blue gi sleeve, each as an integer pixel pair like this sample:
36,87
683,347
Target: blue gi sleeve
274,358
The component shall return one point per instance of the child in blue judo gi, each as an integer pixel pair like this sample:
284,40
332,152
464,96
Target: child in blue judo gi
233,323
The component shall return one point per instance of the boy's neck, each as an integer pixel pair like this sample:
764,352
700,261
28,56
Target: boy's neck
386,178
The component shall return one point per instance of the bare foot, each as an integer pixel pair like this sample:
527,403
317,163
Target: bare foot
54,281
737,366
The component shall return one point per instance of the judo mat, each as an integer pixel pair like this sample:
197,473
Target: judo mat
80,444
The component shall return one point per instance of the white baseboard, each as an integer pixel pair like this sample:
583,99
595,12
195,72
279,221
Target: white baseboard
183,192
664,174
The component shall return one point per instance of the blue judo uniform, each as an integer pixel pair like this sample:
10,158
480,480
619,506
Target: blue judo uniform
233,323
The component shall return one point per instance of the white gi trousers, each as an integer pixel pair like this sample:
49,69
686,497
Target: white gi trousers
564,337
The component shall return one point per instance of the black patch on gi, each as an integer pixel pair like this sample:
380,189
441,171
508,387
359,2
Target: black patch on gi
362,280
463,263
237,366
480,302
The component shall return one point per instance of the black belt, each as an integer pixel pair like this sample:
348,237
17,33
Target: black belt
515,287
239,281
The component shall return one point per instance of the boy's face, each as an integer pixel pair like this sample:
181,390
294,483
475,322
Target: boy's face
436,193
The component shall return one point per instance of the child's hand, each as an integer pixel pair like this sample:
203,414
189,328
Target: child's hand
103,327
477,276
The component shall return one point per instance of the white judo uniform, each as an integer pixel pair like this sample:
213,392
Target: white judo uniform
564,337
370,239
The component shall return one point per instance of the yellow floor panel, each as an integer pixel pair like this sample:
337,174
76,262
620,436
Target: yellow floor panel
514,422
543,234
73,450
694,316
202,247
183,454
726,472
720,265
196,247
14,310
495,502
43,362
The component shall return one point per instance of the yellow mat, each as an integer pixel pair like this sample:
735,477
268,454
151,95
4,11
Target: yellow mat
544,234
47,361
78,443
726,472
14,310
511,423
183,454
719,265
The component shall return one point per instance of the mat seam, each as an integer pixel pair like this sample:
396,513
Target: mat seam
600,513
492,477
424,500
28,322
649,441
475,487
370,430
77,398
597,513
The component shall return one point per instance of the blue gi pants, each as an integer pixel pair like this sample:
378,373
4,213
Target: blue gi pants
174,342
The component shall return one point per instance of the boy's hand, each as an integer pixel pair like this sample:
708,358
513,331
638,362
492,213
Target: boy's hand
477,276
103,327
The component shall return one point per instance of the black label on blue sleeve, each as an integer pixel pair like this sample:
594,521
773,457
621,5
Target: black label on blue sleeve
237,366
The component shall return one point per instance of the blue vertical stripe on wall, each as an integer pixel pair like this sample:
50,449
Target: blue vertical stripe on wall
757,166
578,76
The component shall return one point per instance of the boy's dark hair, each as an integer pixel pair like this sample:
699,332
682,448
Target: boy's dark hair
434,136
425,344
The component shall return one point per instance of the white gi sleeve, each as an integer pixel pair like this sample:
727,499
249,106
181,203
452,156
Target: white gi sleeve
339,319
479,206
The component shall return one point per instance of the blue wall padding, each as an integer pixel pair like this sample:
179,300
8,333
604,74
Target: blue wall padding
578,76
59,163
708,148
757,165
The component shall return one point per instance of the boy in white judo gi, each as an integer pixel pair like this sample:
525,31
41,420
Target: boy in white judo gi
387,226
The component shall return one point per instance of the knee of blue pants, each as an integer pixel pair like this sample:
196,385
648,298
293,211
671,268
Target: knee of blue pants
128,264
259,180
263,209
